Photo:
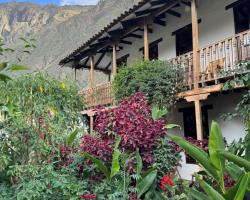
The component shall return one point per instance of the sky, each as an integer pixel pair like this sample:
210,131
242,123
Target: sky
57,2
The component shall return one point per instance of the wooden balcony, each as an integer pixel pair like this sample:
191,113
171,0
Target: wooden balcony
217,61
100,95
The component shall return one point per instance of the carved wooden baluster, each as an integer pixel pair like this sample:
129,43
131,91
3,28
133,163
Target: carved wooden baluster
215,65
182,60
228,55
189,59
235,51
203,68
209,64
242,47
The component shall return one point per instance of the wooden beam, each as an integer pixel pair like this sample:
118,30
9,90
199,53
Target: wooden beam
91,80
158,2
160,22
186,3
146,42
150,30
100,59
126,42
195,35
133,35
86,61
114,63
236,3
174,13
108,65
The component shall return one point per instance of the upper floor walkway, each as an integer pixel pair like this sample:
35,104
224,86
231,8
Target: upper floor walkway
217,62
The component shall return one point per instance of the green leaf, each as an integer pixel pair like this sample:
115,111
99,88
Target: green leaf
139,164
239,190
17,67
3,65
237,160
71,138
115,161
196,153
101,166
210,191
234,171
172,126
4,77
216,143
195,194
242,188
158,113
144,185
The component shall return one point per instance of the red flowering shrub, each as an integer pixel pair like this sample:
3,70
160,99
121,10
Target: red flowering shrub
132,120
102,149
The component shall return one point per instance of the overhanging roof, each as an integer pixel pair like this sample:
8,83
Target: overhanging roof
120,26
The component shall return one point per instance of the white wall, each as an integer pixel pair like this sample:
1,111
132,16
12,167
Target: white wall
231,129
217,24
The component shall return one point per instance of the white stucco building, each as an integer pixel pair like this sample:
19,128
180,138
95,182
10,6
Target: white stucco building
202,38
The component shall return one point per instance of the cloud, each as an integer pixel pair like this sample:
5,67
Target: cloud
78,2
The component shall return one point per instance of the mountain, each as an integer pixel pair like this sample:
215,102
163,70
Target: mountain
58,30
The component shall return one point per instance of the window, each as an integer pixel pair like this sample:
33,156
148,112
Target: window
153,49
153,52
190,125
242,16
123,61
184,40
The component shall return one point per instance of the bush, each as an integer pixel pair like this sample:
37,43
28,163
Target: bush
133,121
166,157
156,79
38,115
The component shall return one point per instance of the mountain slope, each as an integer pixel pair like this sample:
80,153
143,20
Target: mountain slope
58,30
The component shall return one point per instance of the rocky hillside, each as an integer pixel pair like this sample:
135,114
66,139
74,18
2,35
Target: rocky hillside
58,30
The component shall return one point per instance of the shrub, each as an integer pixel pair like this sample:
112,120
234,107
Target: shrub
132,120
166,157
156,79
41,113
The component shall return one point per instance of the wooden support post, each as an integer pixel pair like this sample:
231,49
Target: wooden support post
195,42
198,119
91,80
198,112
91,124
146,43
114,62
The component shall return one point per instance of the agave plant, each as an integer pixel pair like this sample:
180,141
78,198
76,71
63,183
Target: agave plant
215,164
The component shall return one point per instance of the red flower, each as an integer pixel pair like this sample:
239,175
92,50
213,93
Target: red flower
88,196
166,180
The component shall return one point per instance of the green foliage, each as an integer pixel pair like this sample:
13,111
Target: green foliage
157,79
215,165
115,168
242,109
166,158
158,113
44,113
13,66
38,182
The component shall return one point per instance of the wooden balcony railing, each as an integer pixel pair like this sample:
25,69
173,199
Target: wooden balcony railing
215,61
99,95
